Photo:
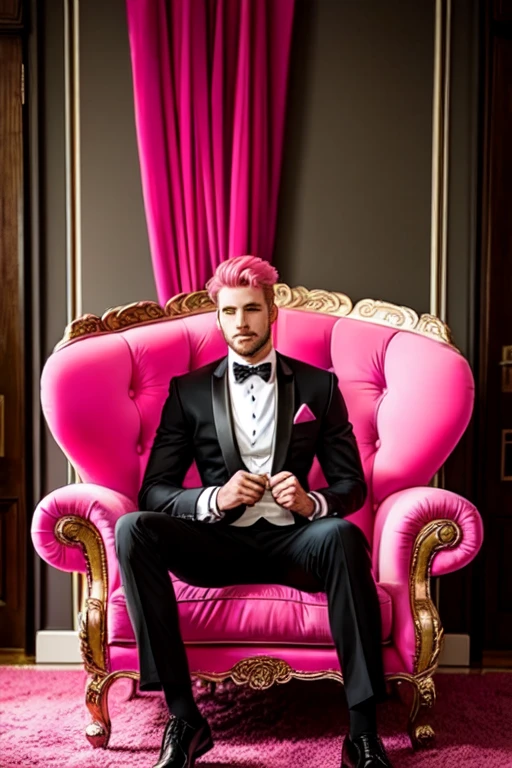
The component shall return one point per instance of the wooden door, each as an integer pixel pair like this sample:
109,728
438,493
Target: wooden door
13,528
495,452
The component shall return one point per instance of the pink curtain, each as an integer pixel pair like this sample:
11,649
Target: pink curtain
210,89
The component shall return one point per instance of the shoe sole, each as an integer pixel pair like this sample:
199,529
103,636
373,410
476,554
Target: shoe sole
201,750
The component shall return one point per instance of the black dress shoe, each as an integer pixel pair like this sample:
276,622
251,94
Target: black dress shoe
367,751
182,744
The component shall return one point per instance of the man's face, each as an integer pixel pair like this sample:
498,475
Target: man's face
244,318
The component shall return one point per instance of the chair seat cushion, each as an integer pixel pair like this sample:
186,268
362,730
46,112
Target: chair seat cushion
245,614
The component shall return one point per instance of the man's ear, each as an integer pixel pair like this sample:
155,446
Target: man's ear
273,313
218,320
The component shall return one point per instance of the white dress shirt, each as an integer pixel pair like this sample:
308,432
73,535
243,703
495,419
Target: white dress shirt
254,412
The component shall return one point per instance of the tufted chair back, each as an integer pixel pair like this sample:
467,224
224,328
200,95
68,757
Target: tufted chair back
409,396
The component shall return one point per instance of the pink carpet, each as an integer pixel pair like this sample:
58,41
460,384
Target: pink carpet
297,725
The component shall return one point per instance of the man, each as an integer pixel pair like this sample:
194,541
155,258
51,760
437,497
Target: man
253,423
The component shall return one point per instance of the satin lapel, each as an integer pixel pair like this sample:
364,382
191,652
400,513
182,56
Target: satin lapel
223,419
285,411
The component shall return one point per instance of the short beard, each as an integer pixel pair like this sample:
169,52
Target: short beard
252,351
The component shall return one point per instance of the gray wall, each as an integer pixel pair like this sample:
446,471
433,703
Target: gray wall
116,260
354,211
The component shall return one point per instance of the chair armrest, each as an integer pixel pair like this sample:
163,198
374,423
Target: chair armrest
74,529
98,507
419,533
401,518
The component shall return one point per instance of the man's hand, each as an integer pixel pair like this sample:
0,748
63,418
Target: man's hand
288,493
242,488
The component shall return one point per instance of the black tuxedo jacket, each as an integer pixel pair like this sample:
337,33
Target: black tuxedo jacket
196,424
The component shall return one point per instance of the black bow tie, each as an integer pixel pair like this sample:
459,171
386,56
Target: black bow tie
242,372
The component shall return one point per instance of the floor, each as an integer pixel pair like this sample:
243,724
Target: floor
297,724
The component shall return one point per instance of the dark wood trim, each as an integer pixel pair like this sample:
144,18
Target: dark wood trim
497,660
496,23
12,15
475,588
15,24
31,333
13,507
482,331
502,10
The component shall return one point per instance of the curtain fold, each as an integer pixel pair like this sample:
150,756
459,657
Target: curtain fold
210,79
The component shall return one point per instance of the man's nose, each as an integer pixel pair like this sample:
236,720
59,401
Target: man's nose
241,320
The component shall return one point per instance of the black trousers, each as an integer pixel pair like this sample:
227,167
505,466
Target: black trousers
328,555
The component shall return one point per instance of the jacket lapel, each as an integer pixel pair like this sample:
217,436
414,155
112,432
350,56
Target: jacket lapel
223,419
285,411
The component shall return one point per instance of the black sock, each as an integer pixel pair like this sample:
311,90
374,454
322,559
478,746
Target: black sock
363,718
180,702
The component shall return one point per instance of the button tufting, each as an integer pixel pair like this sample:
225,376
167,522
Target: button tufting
131,393
139,449
377,443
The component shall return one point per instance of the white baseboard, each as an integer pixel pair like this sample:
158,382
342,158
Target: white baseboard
57,647
455,651
63,647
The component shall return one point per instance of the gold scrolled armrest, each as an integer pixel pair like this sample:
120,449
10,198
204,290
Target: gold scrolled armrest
436,535
75,531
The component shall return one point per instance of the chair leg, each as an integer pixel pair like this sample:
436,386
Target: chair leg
96,699
421,733
98,731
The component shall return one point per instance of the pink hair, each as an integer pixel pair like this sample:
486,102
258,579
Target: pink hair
241,271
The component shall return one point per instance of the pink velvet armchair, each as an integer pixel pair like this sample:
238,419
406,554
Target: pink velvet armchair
409,393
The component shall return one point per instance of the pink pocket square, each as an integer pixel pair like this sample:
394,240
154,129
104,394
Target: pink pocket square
304,414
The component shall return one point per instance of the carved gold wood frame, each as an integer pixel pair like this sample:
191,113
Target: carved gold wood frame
258,672
299,298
